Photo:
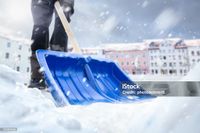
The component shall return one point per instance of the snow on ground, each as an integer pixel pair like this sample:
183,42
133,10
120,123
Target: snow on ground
31,111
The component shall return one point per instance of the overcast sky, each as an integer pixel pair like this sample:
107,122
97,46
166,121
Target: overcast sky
114,21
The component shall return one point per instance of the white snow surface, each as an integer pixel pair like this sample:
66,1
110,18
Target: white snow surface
30,111
193,75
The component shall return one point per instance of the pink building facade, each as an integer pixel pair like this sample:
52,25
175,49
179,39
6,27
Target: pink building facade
133,59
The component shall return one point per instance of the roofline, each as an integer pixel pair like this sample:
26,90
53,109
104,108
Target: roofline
15,39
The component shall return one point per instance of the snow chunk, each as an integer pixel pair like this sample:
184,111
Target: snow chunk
42,69
68,93
84,79
67,9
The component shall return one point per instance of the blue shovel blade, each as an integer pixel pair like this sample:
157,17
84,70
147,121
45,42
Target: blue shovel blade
80,80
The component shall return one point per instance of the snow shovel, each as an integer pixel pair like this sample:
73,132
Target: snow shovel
80,80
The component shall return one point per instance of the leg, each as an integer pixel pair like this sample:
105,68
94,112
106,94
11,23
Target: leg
42,12
59,37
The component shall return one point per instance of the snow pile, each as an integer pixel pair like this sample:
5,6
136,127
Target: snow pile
193,75
29,110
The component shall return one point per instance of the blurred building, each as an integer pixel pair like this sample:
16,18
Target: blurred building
155,57
132,58
15,53
193,52
168,57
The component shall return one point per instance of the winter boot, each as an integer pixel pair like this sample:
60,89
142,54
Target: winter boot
37,80
37,83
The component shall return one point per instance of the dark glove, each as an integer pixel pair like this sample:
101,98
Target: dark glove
68,6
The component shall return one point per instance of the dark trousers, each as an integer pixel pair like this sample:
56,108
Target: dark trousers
42,12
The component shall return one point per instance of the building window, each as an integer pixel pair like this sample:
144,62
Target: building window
164,57
175,71
179,57
18,69
181,71
185,71
133,72
156,71
152,71
170,71
170,64
163,71
20,47
174,64
19,57
8,44
174,57
192,53
198,53
7,55
165,65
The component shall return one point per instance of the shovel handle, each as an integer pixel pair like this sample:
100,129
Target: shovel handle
67,28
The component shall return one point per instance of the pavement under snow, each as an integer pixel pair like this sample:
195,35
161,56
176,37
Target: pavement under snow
30,110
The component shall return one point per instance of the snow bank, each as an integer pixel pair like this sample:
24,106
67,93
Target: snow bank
9,74
194,74
31,111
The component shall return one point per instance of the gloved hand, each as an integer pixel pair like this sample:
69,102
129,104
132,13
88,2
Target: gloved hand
68,6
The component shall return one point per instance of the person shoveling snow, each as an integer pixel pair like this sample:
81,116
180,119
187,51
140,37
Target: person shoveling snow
74,78
42,12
